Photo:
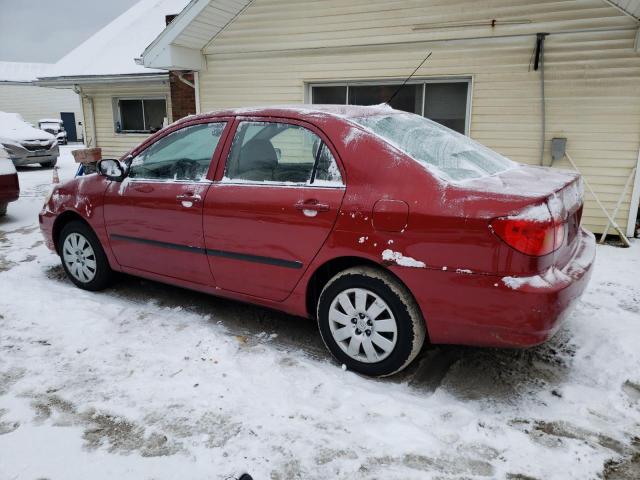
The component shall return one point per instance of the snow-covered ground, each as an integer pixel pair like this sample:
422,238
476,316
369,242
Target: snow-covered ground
149,381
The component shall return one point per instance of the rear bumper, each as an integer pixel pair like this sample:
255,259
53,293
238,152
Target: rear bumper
487,310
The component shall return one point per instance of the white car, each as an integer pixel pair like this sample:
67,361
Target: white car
55,127
26,144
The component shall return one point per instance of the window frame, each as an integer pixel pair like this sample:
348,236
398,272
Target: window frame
117,114
156,137
224,155
424,81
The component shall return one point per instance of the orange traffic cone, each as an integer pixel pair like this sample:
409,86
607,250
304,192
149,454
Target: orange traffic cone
56,178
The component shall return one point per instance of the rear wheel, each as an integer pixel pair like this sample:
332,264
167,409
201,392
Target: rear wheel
3,209
370,322
83,258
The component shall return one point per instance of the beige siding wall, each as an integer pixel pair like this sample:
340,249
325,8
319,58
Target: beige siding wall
34,103
101,98
270,52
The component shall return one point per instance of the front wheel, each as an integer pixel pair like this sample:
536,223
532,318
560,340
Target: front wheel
370,322
83,258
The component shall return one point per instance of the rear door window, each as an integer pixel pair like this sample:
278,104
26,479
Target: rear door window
272,152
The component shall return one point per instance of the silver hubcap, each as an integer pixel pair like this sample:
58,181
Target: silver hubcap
79,257
363,325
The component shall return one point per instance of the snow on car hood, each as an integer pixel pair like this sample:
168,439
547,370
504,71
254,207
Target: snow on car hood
13,128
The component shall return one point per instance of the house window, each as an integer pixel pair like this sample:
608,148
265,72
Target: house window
444,101
140,115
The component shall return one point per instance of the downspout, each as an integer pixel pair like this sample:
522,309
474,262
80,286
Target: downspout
195,85
185,81
94,141
635,201
539,61
78,91
196,81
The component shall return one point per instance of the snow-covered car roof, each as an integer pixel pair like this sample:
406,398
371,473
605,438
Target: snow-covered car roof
50,120
297,111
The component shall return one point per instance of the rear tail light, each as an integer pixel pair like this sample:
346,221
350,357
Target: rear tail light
529,236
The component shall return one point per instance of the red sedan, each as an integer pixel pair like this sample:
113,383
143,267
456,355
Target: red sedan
9,185
386,227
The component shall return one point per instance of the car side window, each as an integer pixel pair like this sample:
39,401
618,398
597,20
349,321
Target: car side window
271,152
182,155
327,171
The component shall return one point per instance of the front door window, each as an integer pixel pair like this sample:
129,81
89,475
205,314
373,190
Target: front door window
182,155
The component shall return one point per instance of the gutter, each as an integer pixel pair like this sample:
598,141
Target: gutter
70,81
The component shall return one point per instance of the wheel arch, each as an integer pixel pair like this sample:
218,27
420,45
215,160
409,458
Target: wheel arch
63,219
327,270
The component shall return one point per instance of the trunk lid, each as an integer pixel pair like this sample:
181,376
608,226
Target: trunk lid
533,193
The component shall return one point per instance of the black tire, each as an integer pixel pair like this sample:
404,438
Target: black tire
103,274
3,209
410,326
50,164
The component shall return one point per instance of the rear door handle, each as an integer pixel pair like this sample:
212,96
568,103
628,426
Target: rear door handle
312,205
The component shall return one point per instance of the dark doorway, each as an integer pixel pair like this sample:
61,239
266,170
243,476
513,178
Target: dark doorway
69,121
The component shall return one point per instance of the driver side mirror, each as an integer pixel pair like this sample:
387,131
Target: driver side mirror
112,169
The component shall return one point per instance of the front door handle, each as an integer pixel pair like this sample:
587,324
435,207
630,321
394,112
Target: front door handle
189,197
312,205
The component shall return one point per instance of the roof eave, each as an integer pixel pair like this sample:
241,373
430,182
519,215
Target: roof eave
162,54
173,57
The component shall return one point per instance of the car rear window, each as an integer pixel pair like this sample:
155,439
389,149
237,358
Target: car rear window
448,154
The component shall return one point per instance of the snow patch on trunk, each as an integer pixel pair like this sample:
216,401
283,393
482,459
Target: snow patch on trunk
536,213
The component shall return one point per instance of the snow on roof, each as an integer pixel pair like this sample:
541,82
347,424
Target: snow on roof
112,50
22,71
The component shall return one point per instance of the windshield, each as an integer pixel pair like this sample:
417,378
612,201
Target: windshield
449,154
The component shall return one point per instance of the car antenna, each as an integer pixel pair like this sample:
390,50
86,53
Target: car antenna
388,102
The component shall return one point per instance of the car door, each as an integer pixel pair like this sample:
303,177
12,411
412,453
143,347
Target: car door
272,208
154,217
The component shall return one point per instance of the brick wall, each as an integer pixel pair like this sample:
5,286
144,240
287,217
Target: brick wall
183,97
